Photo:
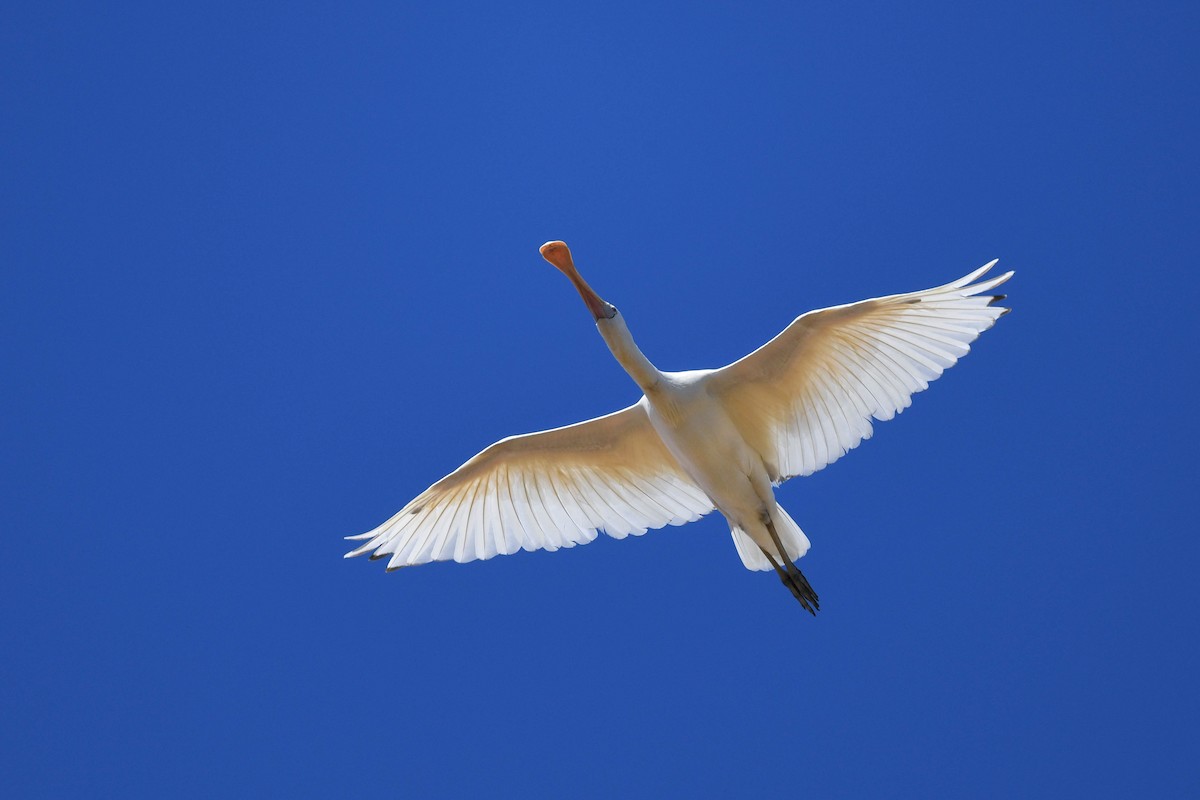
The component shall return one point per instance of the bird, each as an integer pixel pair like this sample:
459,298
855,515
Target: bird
699,440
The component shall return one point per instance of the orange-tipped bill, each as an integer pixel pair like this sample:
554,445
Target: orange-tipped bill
558,254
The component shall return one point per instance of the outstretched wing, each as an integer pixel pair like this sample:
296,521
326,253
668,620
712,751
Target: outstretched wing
807,397
545,490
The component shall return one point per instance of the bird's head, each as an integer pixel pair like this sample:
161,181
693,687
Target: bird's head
558,254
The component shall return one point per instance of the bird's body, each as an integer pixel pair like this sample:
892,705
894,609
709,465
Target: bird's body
710,449
699,440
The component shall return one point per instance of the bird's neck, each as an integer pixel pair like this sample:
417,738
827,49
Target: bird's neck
620,342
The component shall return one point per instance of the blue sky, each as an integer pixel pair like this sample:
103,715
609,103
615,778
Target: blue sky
271,269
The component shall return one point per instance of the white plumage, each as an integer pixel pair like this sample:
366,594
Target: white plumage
698,440
545,490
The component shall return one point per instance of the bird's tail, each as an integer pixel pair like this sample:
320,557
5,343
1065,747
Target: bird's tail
794,541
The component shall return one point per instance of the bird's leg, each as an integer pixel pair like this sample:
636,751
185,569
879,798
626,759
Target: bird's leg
794,587
783,576
789,573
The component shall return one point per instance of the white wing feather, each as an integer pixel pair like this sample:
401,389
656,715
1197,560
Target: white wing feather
544,490
808,396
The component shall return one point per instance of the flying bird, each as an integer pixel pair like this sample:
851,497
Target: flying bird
698,440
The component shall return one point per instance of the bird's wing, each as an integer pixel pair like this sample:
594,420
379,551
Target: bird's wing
806,397
551,489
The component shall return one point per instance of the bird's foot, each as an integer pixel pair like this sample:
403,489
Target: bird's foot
800,588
